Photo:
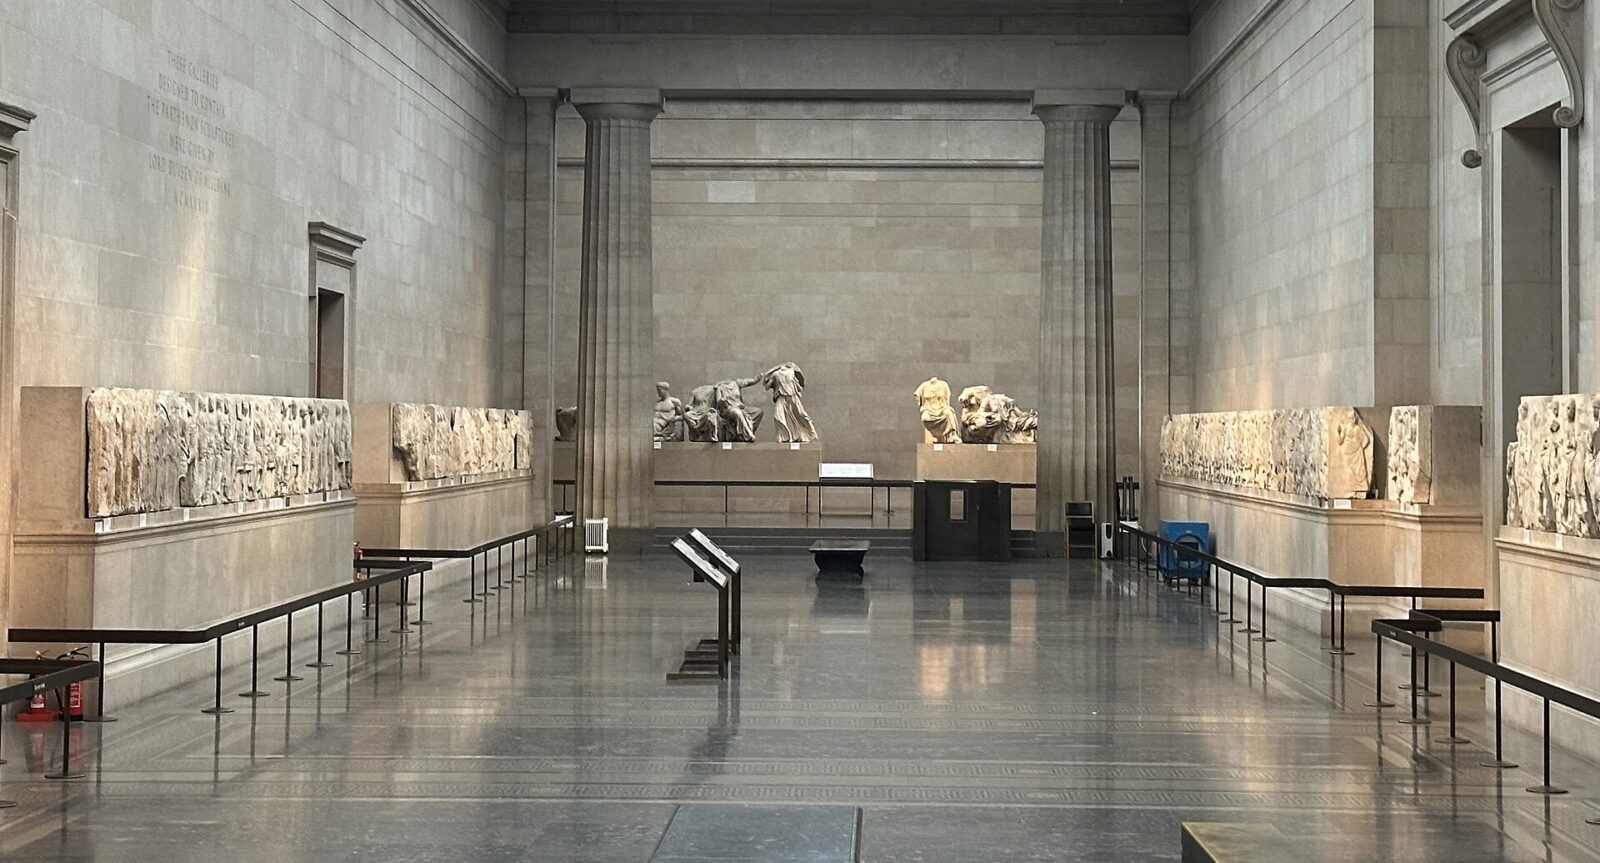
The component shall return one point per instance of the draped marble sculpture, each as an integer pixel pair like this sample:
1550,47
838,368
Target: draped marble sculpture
991,417
785,382
938,419
717,412
156,450
440,442
1553,466
1322,453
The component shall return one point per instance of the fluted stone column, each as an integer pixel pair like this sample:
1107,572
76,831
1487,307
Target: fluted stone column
616,477
1076,459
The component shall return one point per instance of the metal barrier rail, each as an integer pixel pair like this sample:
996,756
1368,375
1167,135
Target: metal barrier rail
47,675
550,549
1406,631
392,571
888,486
1337,593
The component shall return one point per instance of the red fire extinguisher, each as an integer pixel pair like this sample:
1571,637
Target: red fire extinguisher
38,709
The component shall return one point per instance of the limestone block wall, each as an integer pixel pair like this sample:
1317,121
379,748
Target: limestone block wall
181,149
1282,156
875,244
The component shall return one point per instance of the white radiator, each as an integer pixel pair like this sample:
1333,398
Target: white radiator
594,535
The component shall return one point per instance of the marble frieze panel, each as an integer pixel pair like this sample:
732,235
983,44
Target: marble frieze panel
157,450
1323,453
442,442
1553,465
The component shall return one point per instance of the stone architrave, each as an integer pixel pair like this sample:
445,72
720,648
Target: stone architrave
615,472
1076,452
938,419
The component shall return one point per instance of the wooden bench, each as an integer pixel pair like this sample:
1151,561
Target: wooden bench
840,556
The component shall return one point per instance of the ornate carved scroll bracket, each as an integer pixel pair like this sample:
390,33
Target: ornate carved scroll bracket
1465,60
1557,21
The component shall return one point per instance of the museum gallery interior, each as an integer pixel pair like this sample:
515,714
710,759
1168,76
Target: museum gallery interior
823,430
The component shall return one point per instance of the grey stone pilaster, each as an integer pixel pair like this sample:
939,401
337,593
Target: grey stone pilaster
1076,434
617,325
1155,294
538,194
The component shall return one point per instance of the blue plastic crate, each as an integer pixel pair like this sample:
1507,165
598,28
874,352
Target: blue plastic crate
1168,562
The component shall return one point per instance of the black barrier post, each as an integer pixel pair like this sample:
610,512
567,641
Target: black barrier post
1249,606
422,597
1546,787
400,610
5,804
1232,576
1414,719
1342,647
288,675
216,708
319,663
66,740
1499,762
485,591
1454,739
499,568
255,644
99,694
377,625
349,627
1377,687
1263,637
472,581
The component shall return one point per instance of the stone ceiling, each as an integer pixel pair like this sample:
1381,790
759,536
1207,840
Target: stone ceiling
830,17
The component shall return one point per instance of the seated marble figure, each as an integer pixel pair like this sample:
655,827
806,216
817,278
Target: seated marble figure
717,412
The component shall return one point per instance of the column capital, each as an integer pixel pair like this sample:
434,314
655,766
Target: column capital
1092,106
617,103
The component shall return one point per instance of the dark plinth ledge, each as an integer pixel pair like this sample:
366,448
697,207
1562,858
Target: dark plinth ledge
1206,842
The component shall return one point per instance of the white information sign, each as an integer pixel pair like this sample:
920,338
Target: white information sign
844,470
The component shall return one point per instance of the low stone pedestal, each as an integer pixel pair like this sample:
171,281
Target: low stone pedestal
454,512
1013,464
169,570
1346,541
715,463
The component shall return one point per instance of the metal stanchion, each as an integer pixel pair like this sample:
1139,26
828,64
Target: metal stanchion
1377,689
405,595
1454,739
288,675
472,581
1232,577
99,693
349,627
216,708
422,598
1343,647
1263,637
1249,607
1546,787
1414,718
255,645
66,771
319,663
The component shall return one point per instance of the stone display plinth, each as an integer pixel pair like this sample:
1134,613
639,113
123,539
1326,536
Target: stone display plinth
762,461
180,568
441,512
1012,463
1549,593
1346,541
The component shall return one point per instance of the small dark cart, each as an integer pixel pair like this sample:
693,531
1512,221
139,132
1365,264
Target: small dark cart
840,556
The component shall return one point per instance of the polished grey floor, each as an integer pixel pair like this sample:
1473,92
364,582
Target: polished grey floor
1023,712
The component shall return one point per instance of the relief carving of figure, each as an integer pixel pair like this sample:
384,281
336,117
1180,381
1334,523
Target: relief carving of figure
567,423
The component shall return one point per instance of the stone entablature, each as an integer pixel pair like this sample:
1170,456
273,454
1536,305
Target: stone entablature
1324,453
152,451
